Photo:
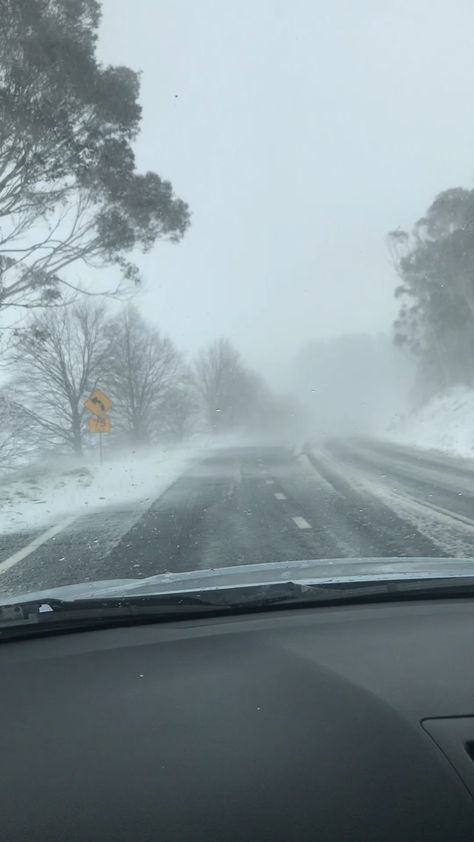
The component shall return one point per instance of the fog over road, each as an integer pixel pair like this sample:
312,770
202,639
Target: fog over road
345,498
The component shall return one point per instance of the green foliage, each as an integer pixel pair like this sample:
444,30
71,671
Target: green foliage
435,262
69,190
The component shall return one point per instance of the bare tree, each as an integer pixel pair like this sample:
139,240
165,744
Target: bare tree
180,412
228,390
143,369
215,368
18,434
57,361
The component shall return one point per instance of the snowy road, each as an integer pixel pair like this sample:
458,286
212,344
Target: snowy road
246,505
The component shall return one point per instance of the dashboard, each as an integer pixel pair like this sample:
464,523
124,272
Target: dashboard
332,723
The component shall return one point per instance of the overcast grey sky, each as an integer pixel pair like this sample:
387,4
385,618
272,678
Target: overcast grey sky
300,133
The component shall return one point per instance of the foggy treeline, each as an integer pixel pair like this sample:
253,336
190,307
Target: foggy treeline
61,355
363,383
71,198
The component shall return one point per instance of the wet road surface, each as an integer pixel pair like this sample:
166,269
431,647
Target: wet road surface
351,498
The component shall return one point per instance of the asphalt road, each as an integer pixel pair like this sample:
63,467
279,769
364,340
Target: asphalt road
351,498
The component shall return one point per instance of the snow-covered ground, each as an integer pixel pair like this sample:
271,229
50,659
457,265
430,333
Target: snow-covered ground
42,494
444,423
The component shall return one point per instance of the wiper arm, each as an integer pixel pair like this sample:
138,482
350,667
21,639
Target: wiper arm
57,614
53,612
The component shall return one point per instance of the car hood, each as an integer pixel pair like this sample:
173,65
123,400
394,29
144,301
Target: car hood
314,571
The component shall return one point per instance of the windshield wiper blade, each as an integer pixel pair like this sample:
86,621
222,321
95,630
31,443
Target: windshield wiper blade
48,614
51,611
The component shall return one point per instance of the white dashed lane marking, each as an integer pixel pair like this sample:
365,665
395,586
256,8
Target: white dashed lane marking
280,496
302,523
269,481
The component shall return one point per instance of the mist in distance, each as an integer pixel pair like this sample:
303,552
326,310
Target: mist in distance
300,135
289,142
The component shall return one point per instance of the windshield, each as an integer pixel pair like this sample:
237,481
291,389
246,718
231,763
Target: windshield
236,294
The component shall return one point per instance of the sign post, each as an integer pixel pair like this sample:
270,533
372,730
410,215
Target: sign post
99,404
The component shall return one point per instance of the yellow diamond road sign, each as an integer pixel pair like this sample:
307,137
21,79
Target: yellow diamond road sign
98,403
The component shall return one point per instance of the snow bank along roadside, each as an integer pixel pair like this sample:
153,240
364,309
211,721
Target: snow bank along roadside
43,494
445,423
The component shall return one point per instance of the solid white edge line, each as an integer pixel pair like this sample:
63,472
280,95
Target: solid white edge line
301,523
35,544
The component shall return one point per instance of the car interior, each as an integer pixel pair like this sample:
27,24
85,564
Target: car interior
339,722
